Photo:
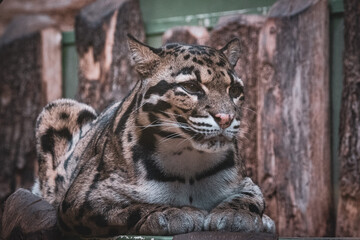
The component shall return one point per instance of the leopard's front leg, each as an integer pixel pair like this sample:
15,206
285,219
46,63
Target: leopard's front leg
105,215
243,211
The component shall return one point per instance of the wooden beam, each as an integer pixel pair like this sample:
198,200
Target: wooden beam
348,212
294,169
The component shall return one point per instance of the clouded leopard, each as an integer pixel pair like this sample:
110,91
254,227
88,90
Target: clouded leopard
163,161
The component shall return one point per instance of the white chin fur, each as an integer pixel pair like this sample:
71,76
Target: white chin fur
211,147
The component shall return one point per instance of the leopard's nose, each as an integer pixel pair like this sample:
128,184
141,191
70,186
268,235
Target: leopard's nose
223,120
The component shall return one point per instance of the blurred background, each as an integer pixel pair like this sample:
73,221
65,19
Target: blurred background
301,139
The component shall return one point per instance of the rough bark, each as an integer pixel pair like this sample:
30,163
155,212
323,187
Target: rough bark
186,34
63,12
105,71
247,29
293,124
30,76
27,216
348,212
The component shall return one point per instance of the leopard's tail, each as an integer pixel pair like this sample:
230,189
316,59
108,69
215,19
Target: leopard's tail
57,131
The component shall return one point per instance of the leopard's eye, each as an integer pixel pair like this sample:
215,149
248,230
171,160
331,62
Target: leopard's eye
236,91
192,87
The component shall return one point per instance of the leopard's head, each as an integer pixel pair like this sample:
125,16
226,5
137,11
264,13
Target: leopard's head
191,92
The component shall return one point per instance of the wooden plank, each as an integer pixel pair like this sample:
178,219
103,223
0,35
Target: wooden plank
294,167
30,75
186,35
348,212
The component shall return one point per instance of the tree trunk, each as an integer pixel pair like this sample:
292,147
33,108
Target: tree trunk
186,35
105,71
30,76
294,169
247,29
348,221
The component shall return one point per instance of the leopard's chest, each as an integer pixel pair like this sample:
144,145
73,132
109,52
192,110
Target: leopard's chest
202,180
203,194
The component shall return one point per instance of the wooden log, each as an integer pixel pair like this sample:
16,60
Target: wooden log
294,167
348,212
247,29
30,76
186,35
105,70
27,216
225,236
62,12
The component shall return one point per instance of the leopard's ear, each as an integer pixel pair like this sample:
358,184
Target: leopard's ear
145,57
232,51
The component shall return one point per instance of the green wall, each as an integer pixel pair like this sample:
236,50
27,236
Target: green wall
160,15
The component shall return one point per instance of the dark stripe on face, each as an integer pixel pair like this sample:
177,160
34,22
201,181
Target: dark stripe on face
184,71
159,107
160,89
121,125
197,74
227,163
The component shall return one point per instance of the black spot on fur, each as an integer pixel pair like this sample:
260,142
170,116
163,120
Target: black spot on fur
209,72
84,117
208,61
65,206
82,230
133,218
186,57
121,125
221,63
180,94
248,194
59,179
66,163
63,225
191,181
159,89
185,71
227,163
85,207
64,116
99,220
197,74
48,142
253,208
129,136
171,45
159,107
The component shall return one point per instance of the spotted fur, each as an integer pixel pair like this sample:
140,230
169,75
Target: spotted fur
163,161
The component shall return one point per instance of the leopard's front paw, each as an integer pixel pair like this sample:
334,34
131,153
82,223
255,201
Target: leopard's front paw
172,221
233,221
